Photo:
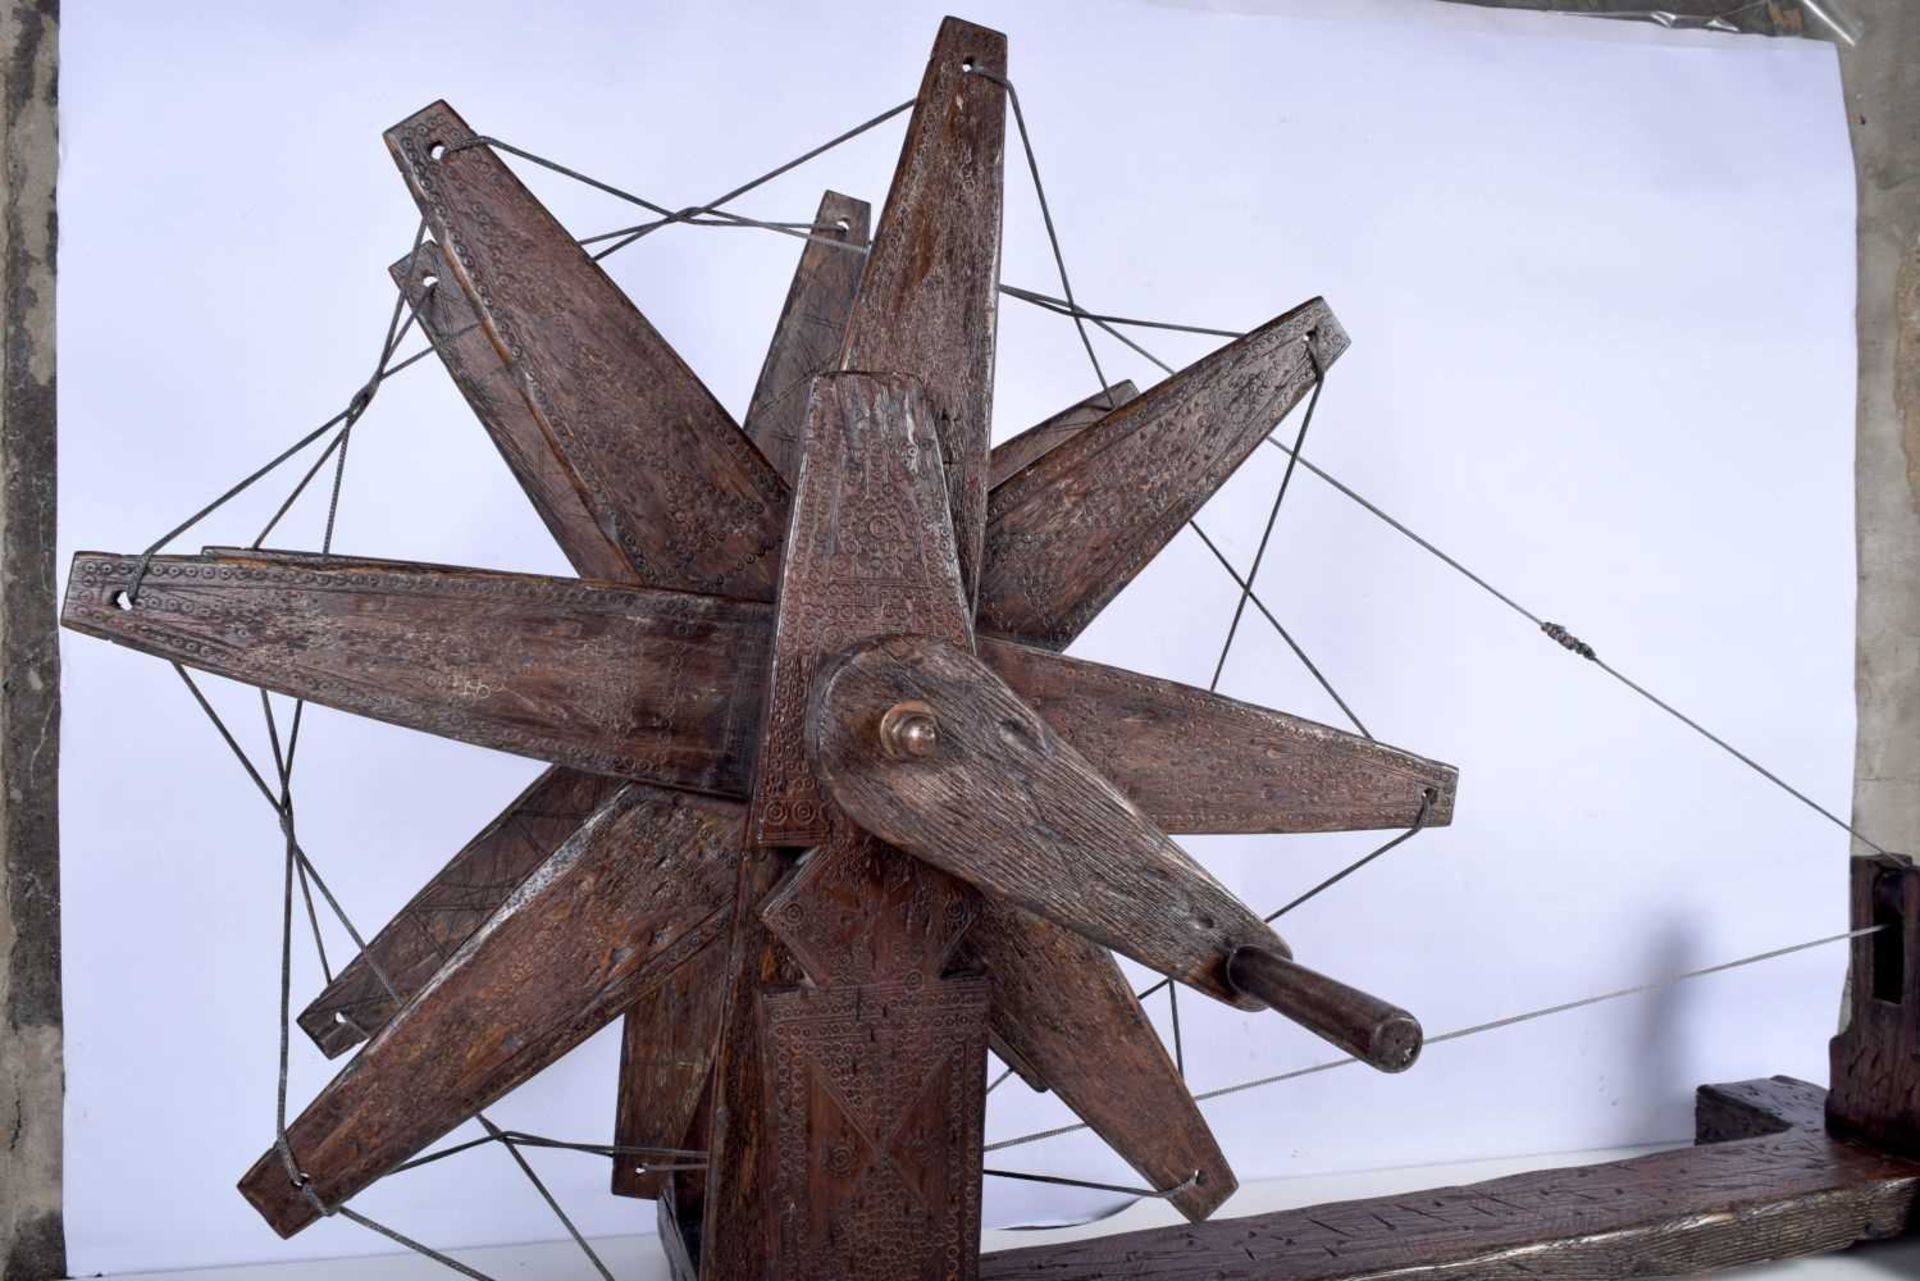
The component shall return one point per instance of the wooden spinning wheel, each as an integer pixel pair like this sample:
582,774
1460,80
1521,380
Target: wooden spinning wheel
835,631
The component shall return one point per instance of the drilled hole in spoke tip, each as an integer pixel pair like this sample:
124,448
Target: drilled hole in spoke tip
436,151
843,224
121,600
967,66
429,280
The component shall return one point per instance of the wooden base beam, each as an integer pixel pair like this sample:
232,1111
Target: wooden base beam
1765,1181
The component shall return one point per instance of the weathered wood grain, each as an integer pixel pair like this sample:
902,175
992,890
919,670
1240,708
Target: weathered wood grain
1065,534
1062,1005
1791,1192
811,332
643,684
446,316
1016,452
929,302
1002,802
639,890
540,666
738,1213
666,1060
1876,1083
679,1236
871,551
665,1056
459,899
1195,761
670,479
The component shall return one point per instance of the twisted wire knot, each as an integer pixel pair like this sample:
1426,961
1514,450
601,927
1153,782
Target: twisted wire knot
1569,641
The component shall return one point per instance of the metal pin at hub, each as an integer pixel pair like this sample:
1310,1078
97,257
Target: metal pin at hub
909,730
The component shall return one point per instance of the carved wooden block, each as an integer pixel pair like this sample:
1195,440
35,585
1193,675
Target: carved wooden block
858,911
870,552
877,1098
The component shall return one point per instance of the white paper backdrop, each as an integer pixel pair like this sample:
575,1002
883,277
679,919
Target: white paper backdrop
1599,281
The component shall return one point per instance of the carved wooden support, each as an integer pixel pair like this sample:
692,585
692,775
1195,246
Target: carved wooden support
1876,1058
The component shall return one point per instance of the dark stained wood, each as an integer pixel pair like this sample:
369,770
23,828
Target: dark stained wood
451,324
1875,1084
1014,453
1194,761
1788,1193
860,912
739,1217
1061,1004
812,330
1376,1032
666,1059
540,666
929,303
877,1095
1003,803
670,479
668,1039
639,683
459,899
870,552
874,1100
1068,532
642,888
679,1237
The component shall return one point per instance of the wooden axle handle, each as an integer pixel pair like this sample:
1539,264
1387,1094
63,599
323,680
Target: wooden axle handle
1377,1033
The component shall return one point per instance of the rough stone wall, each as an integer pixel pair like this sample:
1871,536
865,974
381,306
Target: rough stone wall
1883,101
32,1244
1763,17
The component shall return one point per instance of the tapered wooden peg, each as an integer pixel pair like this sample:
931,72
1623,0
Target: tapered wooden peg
1377,1033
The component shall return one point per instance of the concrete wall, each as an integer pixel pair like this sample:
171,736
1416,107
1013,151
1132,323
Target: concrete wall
32,1246
1883,99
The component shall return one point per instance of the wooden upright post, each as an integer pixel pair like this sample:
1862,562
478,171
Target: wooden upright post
32,1242
1875,1091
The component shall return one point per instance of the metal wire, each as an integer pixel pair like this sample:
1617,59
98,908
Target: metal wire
1476,1029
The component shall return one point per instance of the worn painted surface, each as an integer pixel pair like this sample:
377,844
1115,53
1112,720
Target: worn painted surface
32,1243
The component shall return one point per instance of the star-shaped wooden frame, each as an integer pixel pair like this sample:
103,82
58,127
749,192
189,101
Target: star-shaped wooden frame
848,617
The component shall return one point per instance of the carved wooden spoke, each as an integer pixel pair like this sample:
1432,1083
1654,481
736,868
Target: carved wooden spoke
827,814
